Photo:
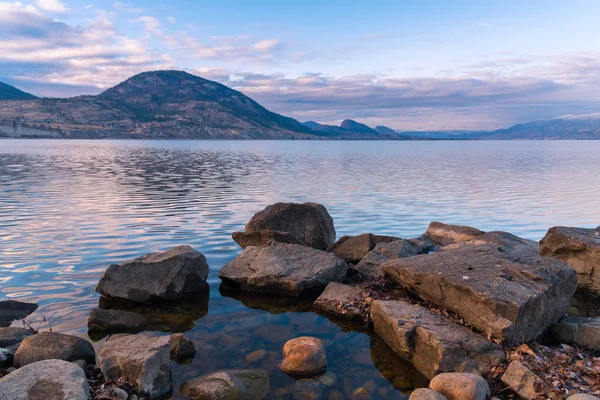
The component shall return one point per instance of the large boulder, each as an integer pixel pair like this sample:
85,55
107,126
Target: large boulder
523,381
369,268
11,310
309,222
10,336
433,343
52,345
142,360
457,386
157,276
426,394
512,300
445,234
304,356
343,300
581,332
264,238
48,380
288,269
239,384
580,249
352,249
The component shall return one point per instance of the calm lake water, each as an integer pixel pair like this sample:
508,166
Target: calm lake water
68,209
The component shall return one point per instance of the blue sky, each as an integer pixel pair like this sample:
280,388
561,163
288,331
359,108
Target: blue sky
405,64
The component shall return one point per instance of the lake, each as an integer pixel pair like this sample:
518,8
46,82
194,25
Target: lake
68,209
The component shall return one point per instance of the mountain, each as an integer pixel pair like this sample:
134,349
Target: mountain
384,130
573,127
159,104
8,92
353,126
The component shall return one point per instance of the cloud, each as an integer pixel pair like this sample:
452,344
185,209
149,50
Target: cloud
482,24
53,6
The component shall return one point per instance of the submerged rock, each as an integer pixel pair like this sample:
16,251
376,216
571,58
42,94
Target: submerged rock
309,222
116,321
352,249
243,384
309,389
51,345
142,360
304,356
264,238
512,300
580,249
48,380
343,300
157,276
369,268
181,347
11,310
581,332
457,386
523,381
433,343
288,269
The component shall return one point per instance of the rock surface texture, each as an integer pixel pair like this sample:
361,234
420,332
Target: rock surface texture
581,332
512,300
228,384
342,300
523,381
426,394
456,386
288,269
181,347
143,360
51,345
264,238
309,222
580,249
352,249
157,276
445,234
304,356
47,380
369,268
11,310
433,343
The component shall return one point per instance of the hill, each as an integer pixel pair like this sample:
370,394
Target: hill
159,104
8,92
567,127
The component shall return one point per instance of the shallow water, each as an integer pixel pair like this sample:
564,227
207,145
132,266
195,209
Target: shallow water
68,209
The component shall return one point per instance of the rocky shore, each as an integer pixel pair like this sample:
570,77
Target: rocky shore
478,314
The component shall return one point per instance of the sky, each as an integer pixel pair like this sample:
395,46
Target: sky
409,65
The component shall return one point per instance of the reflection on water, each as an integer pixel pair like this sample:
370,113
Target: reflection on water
68,209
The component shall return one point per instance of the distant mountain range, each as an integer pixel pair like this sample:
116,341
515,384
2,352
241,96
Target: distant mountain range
178,105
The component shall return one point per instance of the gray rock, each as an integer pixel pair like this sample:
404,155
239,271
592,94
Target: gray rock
426,394
288,269
264,238
423,244
181,347
10,336
228,384
116,321
48,380
581,332
352,249
370,266
157,276
523,381
582,397
580,249
7,355
445,234
309,222
433,343
304,356
143,360
343,300
513,301
51,345
456,386
11,310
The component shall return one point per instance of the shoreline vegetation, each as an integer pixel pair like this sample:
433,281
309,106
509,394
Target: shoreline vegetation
478,314
178,105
